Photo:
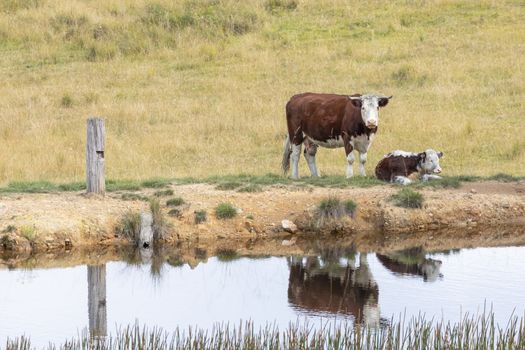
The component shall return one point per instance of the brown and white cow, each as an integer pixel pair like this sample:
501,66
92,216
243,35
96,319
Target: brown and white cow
397,166
330,120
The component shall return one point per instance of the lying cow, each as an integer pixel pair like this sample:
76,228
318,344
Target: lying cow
397,166
331,121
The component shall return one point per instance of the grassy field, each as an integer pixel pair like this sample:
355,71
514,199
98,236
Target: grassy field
197,88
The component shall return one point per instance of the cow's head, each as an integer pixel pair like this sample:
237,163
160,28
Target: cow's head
369,105
429,161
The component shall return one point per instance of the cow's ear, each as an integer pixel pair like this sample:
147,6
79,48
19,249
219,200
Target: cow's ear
440,154
422,156
383,101
356,100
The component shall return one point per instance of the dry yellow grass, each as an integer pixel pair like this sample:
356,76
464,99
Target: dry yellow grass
198,88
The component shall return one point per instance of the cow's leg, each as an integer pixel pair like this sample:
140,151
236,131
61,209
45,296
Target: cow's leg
310,149
427,177
296,154
362,162
403,180
349,157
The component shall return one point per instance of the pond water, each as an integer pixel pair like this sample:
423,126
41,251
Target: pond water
60,303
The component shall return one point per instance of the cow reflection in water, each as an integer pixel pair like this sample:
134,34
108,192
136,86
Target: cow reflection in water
411,262
334,284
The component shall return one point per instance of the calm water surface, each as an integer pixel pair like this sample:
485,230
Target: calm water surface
56,304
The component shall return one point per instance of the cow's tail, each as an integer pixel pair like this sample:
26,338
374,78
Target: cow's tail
286,155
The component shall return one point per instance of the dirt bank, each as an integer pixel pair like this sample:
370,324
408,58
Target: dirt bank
487,211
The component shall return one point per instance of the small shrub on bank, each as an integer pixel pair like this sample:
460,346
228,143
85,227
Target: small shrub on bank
225,211
129,225
174,202
332,209
408,198
200,216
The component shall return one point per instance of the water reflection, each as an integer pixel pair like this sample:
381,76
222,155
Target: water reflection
334,283
97,306
411,262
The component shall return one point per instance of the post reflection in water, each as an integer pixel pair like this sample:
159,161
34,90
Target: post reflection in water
98,323
335,284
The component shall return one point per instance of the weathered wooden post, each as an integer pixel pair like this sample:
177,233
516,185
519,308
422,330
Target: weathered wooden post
96,135
97,311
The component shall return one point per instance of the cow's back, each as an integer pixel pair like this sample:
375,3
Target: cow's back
317,115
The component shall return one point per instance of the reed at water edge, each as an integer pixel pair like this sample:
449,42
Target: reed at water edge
471,332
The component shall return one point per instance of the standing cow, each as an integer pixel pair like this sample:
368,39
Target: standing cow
331,121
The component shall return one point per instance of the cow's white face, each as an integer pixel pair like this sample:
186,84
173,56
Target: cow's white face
369,105
430,161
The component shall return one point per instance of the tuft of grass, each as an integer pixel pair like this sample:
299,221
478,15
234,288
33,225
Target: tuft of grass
445,182
66,101
200,216
501,177
225,211
155,183
174,202
160,226
280,5
163,193
250,188
134,197
29,233
331,209
129,225
31,187
9,229
175,212
122,185
228,186
408,198
350,207
72,186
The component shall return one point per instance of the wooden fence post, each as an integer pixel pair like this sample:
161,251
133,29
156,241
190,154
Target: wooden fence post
96,135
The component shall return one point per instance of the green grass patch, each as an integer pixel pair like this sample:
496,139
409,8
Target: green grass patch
134,197
122,185
445,182
228,186
250,188
173,202
200,216
156,183
225,211
408,198
501,177
163,193
30,187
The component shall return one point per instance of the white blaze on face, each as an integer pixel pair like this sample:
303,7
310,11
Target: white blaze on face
370,110
431,163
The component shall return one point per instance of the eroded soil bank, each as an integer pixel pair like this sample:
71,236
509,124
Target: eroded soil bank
476,214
